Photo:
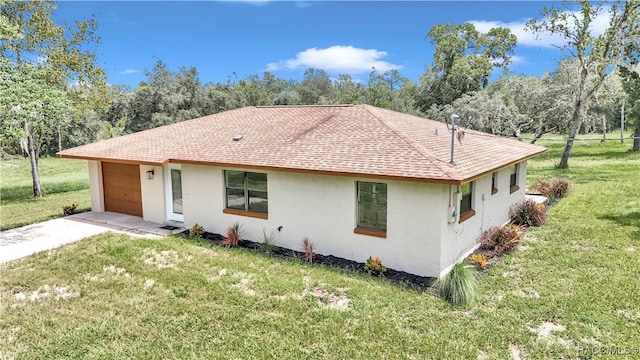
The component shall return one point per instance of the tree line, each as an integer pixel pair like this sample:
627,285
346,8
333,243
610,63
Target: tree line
54,96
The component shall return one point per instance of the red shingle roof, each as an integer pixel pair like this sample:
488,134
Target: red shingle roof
358,140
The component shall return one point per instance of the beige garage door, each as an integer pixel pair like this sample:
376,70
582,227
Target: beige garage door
121,184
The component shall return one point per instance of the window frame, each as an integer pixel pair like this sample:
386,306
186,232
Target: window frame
247,190
367,229
514,178
494,183
464,212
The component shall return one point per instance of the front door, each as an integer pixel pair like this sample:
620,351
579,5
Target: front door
173,181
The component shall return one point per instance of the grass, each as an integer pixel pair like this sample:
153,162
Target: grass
63,181
569,291
458,286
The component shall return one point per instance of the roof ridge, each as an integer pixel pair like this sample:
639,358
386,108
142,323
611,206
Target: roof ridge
412,143
303,106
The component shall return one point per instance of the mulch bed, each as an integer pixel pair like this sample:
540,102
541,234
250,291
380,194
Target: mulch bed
399,277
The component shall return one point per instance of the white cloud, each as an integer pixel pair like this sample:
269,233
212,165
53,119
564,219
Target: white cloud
528,38
515,59
336,59
525,37
128,71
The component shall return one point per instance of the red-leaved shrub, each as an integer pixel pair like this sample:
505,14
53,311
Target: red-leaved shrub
233,236
528,213
560,188
500,239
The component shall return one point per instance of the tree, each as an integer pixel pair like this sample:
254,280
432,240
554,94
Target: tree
595,53
315,88
484,111
347,91
47,57
528,95
631,86
463,61
29,108
164,98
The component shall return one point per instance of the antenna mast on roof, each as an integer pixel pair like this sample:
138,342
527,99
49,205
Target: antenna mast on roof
454,127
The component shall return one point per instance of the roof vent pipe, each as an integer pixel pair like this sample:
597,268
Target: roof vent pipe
454,119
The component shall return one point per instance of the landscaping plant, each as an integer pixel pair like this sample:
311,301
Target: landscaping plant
234,235
69,209
553,191
479,261
501,239
459,285
560,188
528,213
307,249
268,242
375,267
196,231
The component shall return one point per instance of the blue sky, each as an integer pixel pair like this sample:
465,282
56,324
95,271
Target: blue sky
286,37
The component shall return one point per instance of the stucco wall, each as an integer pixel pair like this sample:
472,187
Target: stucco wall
153,194
323,208
459,239
95,186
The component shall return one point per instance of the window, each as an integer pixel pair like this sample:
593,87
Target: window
372,207
466,201
494,183
246,191
514,178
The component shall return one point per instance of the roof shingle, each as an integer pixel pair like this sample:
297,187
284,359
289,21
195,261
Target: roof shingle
343,139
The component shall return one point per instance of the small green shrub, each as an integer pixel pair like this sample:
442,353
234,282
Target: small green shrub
375,267
459,285
307,249
69,209
501,239
234,235
268,242
196,231
528,213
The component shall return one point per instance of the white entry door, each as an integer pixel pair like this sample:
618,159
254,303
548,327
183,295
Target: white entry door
173,188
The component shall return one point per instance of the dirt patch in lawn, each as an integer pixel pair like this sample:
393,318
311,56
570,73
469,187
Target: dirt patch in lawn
330,300
547,332
46,291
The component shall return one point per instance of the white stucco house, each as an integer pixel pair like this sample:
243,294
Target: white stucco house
357,180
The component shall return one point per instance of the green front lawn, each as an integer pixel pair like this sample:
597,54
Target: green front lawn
570,290
64,182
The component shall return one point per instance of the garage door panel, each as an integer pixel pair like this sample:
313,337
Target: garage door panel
121,183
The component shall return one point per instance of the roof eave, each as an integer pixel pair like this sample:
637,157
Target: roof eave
113,160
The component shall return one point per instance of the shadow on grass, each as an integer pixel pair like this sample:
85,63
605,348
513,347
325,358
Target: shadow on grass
628,219
578,174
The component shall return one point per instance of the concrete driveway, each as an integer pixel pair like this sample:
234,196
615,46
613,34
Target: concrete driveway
27,240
